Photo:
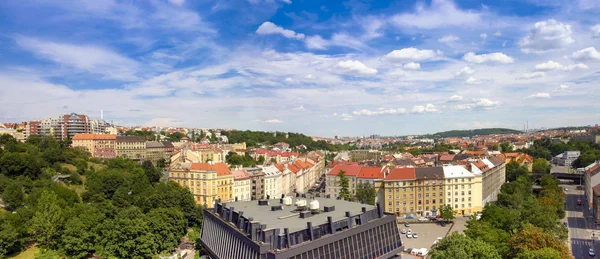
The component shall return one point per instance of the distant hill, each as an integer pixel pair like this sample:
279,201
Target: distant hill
475,132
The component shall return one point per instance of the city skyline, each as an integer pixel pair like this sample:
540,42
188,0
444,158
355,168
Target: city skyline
346,69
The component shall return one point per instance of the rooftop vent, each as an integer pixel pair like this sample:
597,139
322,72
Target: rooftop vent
329,208
278,207
263,202
287,201
314,205
305,214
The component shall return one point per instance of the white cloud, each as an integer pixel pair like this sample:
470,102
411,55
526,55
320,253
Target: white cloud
177,2
538,96
455,98
448,38
465,71
299,109
498,33
596,30
526,76
270,28
441,13
551,65
564,86
273,121
561,88
545,36
309,77
491,58
412,66
380,111
96,60
164,122
485,104
355,66
287,1
289,79
586,54
483,36
413,54
344,116
429,108
316,42
474,81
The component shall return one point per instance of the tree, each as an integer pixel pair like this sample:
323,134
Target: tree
460,246
534,238
541,166
168,224
544,253
344,184
447,213
13,195
506,147
484,231
46,224
161,163
128,235
152,173
365,193
514,170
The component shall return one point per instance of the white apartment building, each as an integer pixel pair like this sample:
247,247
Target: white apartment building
288,179
272,185
463,190
242,186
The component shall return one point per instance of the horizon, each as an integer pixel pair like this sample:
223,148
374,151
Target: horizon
348,69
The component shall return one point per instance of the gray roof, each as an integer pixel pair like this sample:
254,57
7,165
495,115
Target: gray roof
167,144
130,139
154,144
264,215
429,173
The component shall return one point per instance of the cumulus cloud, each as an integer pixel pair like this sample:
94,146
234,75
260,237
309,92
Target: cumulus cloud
448,38
380,111
309,76
355,66
485,104
429,108
465,71
412,66
289,80
563,86
545,36
271,28
491,58
538,96
273,121
483,36
299,109
441,13
527,76
474,81
596,31
455,98
413,54
551,65
343,116
586,54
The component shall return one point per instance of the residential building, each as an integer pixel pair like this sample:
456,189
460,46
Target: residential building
592,137
32,128
257,181
591,179
399,191
99,145
360,155
207,182
333,187
269,229
132,147
272,181
463,190
373,176
521,158
492,179
288,179
74,124
157,150
429,190
241,185
566,158
224,182
201,155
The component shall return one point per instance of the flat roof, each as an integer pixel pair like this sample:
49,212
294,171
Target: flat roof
273,219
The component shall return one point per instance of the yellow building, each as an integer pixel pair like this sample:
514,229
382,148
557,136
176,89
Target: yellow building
207,182
463,190
132,147
429,190
99,145
521,158
399,191
200,156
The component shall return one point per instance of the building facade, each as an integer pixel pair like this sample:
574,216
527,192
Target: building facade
241,185
399,191
333,186
207,182
272,230
99,145
272,180
257,181
463,190
429,187
131,147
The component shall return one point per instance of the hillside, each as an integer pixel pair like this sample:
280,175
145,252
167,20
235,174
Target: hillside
475,132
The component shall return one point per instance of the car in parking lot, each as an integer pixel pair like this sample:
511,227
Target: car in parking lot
409,236
592,252
403,231
414,235
406,224
409,231
423,219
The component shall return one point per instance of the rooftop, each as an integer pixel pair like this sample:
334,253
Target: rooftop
94,137
403,173
273,219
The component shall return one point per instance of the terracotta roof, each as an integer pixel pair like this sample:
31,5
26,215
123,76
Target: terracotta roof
481,166
200,166
511,155
336,163
94,137
130,139
221,168
240,174
404,173
350,170
371,172
596,190
594,170
293,168
280,167
447,158
302,164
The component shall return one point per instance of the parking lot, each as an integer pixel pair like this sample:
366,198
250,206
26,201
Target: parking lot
427,234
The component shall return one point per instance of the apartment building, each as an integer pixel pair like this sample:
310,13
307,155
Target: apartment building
288,179
99,145
492,179
373,176
200,155
272,182
156,150
399,191
463,190
132,147
429,190
207,182
257,181
333,187
241,185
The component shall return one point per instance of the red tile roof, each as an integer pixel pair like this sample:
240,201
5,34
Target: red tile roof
280,167
371,172
447,158
481,165
94,137
221,168
404,173
350,170
240,174
200,166
336,163
293,168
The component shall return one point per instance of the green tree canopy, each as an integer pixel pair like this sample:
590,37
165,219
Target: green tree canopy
345,185
365,193
460,246
447,213
541,166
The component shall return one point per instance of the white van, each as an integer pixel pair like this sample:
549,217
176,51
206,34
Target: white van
423,252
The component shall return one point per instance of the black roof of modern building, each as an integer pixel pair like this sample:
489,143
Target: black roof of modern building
271,229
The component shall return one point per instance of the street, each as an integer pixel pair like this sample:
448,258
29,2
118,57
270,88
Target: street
580,224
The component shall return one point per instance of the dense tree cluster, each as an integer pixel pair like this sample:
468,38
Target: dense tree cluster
255,138
147,134
521,224
246,160
544,148
365,193
121,211
475,132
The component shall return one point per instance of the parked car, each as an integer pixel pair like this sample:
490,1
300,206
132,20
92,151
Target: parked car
592,252
408,235
410,217
443,224
423,252
406,224
403,231
414,235
422,219
409,231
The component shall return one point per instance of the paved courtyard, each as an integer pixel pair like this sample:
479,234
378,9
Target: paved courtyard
427,232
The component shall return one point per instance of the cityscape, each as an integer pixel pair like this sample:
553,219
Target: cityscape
293,129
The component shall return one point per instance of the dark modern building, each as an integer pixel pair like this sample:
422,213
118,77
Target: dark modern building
277,228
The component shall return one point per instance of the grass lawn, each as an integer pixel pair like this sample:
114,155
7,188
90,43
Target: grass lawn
71,167
27,254
96,167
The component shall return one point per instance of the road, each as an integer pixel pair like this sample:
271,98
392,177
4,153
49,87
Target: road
580,224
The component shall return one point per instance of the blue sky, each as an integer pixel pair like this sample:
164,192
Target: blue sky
318,67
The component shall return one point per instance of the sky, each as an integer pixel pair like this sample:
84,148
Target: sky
322,68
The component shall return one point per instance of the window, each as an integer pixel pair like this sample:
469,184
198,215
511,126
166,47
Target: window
462,186
462,193
455,199
456,206
449,194
427,195
462,199
463,205
456,180
469,192
462,180
456,193
469,179
469,207
469,200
